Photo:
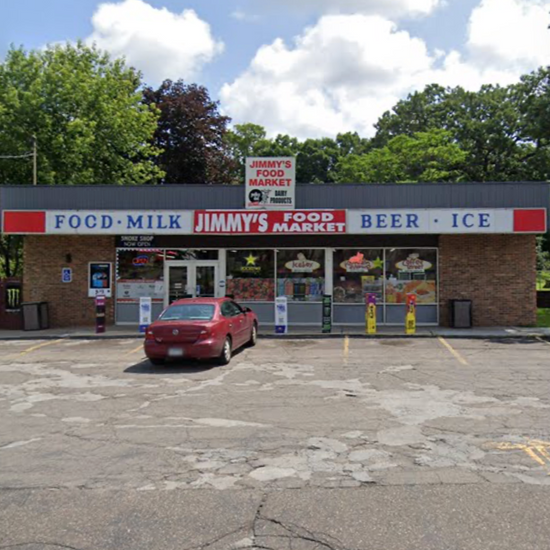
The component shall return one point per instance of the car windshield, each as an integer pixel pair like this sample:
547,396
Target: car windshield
188,312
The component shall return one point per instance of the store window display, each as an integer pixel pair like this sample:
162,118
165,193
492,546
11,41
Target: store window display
301,274
358,273
411,271
250,275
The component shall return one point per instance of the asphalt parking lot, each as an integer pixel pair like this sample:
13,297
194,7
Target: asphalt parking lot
338,444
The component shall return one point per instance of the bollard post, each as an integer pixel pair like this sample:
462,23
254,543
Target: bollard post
371,313
410,319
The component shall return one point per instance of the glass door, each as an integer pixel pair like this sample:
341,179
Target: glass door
178,282
205,281
191,279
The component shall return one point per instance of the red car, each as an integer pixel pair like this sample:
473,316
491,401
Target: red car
200,328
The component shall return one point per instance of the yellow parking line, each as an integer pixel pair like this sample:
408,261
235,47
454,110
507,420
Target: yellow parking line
140,347
346,348
43,345
543,341
453,351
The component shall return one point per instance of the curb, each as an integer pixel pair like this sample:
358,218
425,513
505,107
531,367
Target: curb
493,337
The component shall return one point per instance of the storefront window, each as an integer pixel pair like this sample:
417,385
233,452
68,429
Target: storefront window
358,273
250,275
410,271
140,273
182,254
301,274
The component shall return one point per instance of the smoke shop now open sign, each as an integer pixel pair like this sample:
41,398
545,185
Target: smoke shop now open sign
295,221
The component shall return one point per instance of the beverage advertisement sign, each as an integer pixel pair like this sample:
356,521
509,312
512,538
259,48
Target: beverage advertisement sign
371,313
410,321
145,309
327,314
100,279
270,183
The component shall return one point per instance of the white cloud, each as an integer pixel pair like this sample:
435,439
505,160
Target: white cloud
392,8
345,71
510,33
241,15
160,43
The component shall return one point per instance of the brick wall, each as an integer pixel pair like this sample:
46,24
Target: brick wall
44,258
497,272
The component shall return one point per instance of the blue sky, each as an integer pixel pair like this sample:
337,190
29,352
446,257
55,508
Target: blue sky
304,67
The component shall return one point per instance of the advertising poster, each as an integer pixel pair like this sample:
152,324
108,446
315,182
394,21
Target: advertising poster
270,183
100,279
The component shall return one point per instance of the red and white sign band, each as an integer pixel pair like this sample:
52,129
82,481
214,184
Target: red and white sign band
243,222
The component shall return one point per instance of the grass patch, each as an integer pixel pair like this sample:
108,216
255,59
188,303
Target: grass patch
543,317
543,280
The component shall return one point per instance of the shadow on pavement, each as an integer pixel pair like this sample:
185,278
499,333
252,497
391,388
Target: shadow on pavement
171,367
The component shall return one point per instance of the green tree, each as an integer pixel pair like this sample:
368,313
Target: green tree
86,113
487,124
423,157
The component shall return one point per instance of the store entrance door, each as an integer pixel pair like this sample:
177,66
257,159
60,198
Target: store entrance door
191,279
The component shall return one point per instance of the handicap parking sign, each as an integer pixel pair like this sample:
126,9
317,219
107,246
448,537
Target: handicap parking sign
67,275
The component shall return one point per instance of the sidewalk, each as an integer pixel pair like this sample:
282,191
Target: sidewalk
113,332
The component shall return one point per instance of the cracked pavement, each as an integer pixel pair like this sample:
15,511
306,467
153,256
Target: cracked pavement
297,444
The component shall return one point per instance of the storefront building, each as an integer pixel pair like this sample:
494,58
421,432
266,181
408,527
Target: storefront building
436,241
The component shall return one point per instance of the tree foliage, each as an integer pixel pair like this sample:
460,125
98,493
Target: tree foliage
86,113
191,134
430,156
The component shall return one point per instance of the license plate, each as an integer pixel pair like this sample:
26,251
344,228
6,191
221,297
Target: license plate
175,352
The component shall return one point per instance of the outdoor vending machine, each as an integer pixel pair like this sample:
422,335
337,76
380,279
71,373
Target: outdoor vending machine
410,319
371,313
100,314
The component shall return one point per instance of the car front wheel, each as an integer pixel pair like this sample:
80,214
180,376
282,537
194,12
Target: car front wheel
225,355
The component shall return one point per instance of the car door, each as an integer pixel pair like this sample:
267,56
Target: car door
228,313
242,321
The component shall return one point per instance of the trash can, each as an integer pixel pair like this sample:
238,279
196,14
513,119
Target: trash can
461,313
31,315
35,315
44,315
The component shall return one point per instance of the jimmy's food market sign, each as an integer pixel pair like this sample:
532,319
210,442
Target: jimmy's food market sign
270,183
242,222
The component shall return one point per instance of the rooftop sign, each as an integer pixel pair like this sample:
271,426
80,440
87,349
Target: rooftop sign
270,183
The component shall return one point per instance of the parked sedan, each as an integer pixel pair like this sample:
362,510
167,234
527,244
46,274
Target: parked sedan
200,328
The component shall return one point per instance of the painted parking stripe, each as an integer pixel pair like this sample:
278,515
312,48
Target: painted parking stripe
131,352
346,349
453,351
42,345
543,341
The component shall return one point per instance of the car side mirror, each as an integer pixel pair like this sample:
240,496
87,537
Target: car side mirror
247,310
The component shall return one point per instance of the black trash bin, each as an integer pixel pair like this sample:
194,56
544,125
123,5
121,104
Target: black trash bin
44,315
35,315
461,313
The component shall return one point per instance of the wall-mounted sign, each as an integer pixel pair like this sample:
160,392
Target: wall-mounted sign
136,241
302,265
66,275
413,264
234,222
270,183
100,279
12,297
99,222
447,221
